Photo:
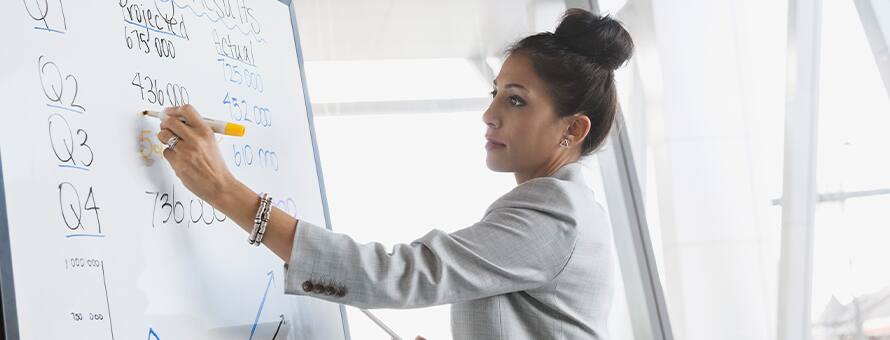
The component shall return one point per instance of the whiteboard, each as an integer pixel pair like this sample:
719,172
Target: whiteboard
98,238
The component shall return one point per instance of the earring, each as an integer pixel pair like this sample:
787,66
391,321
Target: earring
564,143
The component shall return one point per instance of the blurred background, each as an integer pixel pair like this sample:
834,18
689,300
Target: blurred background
757,130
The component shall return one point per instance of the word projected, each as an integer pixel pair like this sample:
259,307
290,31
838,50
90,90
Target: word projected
153,29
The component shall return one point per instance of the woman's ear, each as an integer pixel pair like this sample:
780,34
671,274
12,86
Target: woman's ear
579,127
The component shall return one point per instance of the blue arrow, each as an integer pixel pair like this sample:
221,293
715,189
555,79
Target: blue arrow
151,332
271,276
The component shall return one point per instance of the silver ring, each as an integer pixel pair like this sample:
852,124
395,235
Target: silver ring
172,142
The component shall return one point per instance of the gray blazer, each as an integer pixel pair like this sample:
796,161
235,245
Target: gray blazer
537,266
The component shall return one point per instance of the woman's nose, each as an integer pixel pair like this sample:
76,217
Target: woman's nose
488,117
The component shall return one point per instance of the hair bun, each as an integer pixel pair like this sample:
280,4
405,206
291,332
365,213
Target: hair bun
600,38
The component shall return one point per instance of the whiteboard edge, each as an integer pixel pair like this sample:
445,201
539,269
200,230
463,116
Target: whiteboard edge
9,314
309,116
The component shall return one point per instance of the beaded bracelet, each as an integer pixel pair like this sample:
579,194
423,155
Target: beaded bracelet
264,220
253,233
261,220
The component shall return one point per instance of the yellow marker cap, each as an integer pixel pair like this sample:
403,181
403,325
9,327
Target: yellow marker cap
233,129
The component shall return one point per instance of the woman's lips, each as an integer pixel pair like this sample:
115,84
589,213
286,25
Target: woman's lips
492,144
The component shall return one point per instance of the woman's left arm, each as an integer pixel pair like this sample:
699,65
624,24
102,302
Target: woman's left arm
197,161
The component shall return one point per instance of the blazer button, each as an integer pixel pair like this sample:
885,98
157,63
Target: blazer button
307,286
318,289
330,290
341,292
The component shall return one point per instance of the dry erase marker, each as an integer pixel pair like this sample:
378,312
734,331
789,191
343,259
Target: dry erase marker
218,126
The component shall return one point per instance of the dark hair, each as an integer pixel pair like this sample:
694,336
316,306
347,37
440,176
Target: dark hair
577,63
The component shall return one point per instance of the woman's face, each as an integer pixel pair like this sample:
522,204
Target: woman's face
523,128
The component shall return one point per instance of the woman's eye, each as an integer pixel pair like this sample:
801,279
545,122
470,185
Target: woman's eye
494,93
516,101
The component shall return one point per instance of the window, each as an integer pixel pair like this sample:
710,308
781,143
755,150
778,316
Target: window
706,113
851,283
398,91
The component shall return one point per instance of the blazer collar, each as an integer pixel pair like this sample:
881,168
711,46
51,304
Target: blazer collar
570,172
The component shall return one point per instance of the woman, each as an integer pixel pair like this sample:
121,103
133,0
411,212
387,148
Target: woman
537,266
